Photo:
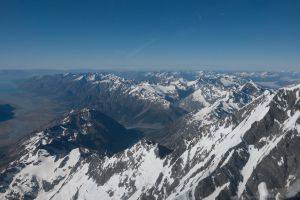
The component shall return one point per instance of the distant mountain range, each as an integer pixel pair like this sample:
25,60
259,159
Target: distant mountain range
160,135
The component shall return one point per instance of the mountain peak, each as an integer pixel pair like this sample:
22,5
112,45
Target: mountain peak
91,129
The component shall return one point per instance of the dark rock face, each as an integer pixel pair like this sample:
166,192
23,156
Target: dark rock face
89,129
275,169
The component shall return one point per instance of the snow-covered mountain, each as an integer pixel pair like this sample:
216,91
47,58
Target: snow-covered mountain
234,140
153,98
125,100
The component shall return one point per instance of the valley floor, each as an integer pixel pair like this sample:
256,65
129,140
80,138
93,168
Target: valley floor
31,113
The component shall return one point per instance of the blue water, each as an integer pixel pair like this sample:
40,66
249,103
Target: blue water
6,112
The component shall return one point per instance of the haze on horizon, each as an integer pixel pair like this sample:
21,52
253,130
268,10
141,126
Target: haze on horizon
156,34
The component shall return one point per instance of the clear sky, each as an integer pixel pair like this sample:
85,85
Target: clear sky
150,34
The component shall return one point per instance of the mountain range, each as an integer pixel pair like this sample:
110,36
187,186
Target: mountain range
159,135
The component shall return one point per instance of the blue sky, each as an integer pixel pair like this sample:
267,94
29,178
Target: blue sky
153,34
